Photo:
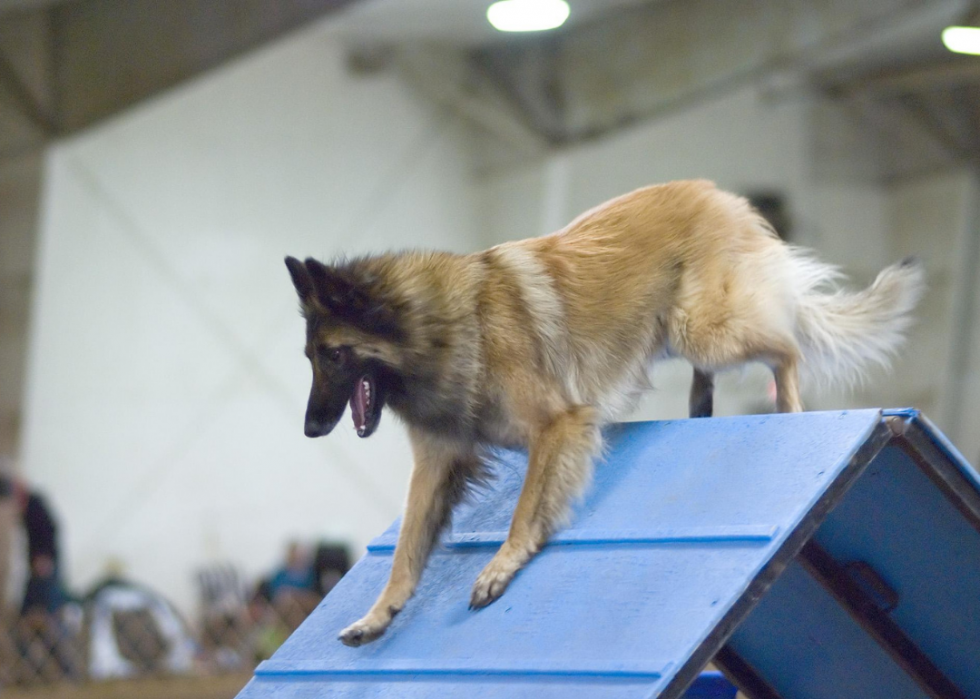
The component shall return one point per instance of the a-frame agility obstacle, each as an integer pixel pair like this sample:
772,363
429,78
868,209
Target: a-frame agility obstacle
817,555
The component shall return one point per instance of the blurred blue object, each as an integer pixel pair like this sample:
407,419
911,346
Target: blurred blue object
819,555
711,685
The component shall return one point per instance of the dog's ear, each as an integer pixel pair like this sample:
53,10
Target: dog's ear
358,301
301,279
335,290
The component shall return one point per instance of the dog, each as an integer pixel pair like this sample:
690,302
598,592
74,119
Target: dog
538,343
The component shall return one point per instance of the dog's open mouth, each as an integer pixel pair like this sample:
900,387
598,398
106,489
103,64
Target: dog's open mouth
365,405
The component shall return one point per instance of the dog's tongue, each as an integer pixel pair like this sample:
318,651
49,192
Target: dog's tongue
359,401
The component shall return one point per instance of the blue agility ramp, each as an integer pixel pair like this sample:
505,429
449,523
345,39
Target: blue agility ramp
819,555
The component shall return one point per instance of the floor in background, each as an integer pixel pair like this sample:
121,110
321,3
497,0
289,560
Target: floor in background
220,687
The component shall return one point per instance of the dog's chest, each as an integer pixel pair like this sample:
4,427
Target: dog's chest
493,426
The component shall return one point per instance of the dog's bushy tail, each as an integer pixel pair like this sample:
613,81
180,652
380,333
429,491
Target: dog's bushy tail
841,332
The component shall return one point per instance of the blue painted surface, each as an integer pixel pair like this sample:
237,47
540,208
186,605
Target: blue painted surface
682,516
805,645
948,449
896,520
711,685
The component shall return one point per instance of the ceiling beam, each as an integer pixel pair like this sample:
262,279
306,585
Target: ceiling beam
24,99
110,54
451,78
951,73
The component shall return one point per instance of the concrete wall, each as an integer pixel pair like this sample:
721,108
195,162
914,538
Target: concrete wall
167,382
931,217
20,181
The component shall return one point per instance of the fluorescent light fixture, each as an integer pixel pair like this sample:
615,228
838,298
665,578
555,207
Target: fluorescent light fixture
527,15
962,39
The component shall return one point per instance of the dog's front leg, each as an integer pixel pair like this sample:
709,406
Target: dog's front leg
559,468
439,479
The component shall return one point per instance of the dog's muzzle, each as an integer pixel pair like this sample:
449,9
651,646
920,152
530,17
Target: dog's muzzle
318,428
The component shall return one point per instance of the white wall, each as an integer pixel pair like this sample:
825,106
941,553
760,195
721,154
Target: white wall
167,383
929,217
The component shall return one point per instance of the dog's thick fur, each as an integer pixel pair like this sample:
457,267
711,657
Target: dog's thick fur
538,342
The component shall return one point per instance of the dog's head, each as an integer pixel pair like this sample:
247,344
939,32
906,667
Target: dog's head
352,332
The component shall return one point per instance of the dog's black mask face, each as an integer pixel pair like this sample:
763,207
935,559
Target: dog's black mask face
340,376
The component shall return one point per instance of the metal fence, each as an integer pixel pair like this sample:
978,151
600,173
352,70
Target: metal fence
83,644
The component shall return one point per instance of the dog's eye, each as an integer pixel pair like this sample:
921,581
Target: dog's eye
334,355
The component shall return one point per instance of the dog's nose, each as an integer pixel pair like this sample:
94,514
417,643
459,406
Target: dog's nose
313,428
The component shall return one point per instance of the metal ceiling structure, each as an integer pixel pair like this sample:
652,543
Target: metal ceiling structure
880,62
66,65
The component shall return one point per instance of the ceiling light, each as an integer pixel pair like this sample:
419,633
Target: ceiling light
527,15
962,39
964,36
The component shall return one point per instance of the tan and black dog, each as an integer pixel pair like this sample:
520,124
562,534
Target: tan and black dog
537,343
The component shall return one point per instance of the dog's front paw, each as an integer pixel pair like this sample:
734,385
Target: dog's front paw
492,582
363,631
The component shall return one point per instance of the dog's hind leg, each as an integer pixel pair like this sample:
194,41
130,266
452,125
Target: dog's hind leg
559,469
787,385
701,403
721,344
440,477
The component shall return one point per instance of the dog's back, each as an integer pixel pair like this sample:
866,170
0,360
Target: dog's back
687,269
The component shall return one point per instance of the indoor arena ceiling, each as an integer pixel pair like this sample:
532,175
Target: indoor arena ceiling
65,65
